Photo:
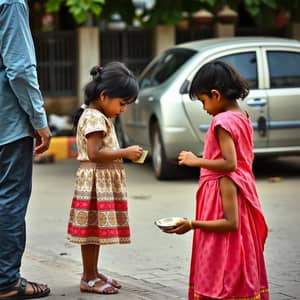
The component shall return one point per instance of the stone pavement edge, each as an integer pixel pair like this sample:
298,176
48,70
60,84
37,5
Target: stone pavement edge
63,279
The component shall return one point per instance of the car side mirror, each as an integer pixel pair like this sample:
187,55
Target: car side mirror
184,89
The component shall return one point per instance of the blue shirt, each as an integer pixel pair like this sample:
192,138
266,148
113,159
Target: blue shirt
21,102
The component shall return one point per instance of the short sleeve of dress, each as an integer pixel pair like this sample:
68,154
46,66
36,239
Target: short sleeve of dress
95,121
225,121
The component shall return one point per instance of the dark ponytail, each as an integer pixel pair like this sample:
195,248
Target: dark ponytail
115,80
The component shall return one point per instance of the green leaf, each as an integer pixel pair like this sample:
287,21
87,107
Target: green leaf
96,9
73,2
75,10
79,15
53,5
86,6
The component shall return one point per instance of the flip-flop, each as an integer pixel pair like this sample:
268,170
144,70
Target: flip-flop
91,285
38,292
113,282
110,280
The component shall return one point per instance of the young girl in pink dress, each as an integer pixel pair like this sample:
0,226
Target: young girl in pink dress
229,229
99,207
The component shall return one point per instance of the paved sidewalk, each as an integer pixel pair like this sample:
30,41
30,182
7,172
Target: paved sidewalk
50,259
63,280
62,276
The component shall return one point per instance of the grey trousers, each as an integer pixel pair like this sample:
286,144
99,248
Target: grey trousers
16,161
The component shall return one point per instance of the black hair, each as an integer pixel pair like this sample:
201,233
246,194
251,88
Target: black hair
115,80
220,76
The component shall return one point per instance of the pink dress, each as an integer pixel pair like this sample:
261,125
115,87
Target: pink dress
229,265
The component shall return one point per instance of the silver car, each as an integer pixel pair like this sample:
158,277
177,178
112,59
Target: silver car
165,121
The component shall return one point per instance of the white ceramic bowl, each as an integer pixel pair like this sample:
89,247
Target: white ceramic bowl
168,223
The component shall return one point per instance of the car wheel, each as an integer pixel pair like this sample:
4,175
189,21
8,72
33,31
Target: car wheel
162,169
119,133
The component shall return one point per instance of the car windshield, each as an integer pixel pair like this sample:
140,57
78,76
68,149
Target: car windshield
165,66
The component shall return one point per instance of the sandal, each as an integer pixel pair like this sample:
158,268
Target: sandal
110,280
105,289
38,291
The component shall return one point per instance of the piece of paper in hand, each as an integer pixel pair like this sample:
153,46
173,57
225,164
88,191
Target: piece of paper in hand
142,158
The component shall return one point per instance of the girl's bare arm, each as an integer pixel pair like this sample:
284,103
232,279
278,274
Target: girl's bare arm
98,154
228,189
229,222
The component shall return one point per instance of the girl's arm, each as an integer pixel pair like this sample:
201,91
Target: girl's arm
227,163
229,222
228,189
98,154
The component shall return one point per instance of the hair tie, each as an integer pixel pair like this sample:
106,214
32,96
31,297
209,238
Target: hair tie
83,106
100,69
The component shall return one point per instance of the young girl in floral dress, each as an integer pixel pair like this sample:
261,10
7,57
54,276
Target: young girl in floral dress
99,207
230,229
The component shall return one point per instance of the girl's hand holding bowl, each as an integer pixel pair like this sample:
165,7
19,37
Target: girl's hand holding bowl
176,225
182,227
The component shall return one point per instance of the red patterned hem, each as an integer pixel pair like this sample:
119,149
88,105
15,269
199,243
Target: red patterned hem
98,241
262,295
102,233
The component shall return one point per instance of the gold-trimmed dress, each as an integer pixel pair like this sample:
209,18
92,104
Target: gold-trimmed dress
99,210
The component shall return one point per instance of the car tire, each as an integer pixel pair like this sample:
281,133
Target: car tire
162,168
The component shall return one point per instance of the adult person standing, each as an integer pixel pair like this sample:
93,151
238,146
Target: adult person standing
22,116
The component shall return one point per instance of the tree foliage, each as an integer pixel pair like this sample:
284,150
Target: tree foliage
80,9
169,12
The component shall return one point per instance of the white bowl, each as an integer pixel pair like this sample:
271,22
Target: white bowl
168,223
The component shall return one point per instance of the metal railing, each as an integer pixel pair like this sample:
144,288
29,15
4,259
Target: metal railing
56,54
262,31
193,34
134,47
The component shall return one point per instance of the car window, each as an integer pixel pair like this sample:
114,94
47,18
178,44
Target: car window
284,69
146,78
246,64
169,62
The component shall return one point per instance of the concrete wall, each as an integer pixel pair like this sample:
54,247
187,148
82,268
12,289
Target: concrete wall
164,37
88,55
224,30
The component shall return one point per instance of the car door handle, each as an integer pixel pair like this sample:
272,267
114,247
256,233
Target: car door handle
257,102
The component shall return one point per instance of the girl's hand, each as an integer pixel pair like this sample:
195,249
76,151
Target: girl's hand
133,152
181,227
187,158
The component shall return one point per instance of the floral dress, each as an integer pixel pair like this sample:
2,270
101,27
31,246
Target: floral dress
229,265
99,211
